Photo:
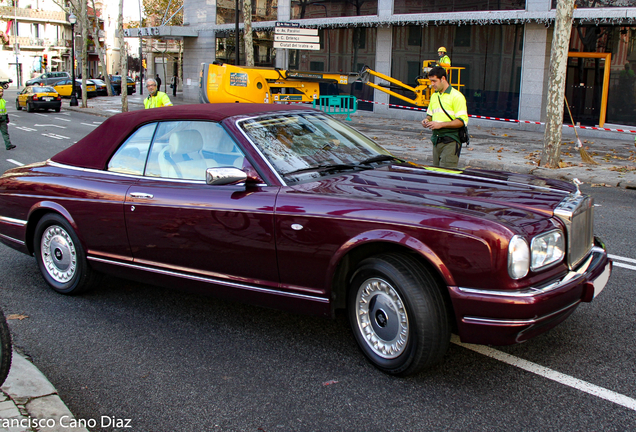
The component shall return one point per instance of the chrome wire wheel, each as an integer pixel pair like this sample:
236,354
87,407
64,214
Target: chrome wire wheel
58,253
382,318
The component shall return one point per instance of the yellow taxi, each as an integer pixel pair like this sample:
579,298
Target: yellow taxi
64,88
38,97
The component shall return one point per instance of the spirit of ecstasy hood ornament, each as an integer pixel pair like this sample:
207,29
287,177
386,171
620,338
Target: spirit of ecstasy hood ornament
577,182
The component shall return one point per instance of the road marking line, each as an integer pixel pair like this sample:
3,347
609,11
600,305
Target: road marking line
98,123
15,115
627,266
63,119
55,136
43,115
24,128
15,162
550,374
88,124
617,257
52,125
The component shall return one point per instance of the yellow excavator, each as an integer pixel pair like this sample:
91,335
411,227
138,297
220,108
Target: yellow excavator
222,83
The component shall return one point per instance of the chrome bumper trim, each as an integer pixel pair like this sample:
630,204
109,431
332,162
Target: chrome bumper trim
211,280
515,322
596,255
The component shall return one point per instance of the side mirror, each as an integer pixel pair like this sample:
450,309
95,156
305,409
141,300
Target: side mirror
224,176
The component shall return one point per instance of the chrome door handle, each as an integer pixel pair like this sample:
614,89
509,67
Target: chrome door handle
141,195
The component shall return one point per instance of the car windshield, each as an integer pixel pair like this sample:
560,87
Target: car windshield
304,146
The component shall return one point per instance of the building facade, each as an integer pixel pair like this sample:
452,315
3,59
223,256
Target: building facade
36,37
503,46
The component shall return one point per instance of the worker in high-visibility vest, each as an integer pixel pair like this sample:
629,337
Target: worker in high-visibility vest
444,60
156,98
4,122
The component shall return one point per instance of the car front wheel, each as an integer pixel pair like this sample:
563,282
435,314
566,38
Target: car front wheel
60,256
17,106
398,315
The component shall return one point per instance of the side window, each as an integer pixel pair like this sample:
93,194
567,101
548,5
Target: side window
185,149
130,158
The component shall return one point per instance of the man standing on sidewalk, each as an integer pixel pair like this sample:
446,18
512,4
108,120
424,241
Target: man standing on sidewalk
4,121
156,98
446,114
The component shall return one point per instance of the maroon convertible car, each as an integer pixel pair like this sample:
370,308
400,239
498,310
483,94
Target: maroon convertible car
288,208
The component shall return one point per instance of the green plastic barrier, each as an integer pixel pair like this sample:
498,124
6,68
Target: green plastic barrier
337,105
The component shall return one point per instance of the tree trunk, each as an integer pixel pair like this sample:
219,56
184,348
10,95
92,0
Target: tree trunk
100,52
123,58
556,84
247,33
83,19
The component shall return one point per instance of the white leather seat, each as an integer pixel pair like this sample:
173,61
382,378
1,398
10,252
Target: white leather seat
183,158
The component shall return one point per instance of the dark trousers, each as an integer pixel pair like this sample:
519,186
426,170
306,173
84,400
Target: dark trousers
4,130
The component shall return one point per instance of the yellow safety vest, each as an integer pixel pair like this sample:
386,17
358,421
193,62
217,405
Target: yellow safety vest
159,100
3,107
454,103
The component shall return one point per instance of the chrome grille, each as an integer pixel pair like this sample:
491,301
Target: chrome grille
577,213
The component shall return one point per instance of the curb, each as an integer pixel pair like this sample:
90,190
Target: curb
29,402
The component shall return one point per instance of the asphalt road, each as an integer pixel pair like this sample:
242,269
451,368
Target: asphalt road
174,361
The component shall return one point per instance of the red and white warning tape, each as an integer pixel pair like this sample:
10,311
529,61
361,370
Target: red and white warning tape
505,119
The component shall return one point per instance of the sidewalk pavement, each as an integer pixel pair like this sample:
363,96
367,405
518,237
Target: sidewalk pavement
27,394
494,145
29,402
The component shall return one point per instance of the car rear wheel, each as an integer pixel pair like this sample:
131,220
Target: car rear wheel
17,106
57,109
29,107
60,256
398,315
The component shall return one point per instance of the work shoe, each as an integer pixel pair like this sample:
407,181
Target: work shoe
11,147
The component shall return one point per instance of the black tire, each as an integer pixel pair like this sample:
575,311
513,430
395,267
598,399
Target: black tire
6,350
398,314
29,107
57,109
5,86
61,257
17,106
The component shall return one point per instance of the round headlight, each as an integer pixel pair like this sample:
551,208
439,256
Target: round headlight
518,257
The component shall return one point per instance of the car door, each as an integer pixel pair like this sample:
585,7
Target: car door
63,88
176,222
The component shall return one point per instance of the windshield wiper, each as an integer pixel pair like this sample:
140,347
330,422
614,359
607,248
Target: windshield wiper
379,158
328,168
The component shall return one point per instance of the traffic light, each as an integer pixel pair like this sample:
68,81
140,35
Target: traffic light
45,61
143,63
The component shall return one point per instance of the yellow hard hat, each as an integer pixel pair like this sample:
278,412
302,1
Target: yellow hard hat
442,49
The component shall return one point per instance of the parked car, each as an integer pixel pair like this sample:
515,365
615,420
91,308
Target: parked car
38,97
100,87
64,88
116,82
48,78
289,208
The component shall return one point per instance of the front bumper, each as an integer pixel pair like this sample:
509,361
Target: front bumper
508,317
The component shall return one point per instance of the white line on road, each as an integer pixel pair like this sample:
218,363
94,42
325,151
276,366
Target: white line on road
15,115
88,124
52,125
550,374
98,123
618,257
24,128
63,119
43,115
55,136
620,264
15,162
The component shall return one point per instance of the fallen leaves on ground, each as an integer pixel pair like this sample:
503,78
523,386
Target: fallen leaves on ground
623,168
17,317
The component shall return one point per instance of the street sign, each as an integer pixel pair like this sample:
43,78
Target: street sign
295,45
291,36
295,38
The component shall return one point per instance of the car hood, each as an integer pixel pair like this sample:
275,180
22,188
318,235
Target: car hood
502,197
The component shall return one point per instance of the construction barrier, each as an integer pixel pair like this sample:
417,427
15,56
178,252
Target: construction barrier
337,105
